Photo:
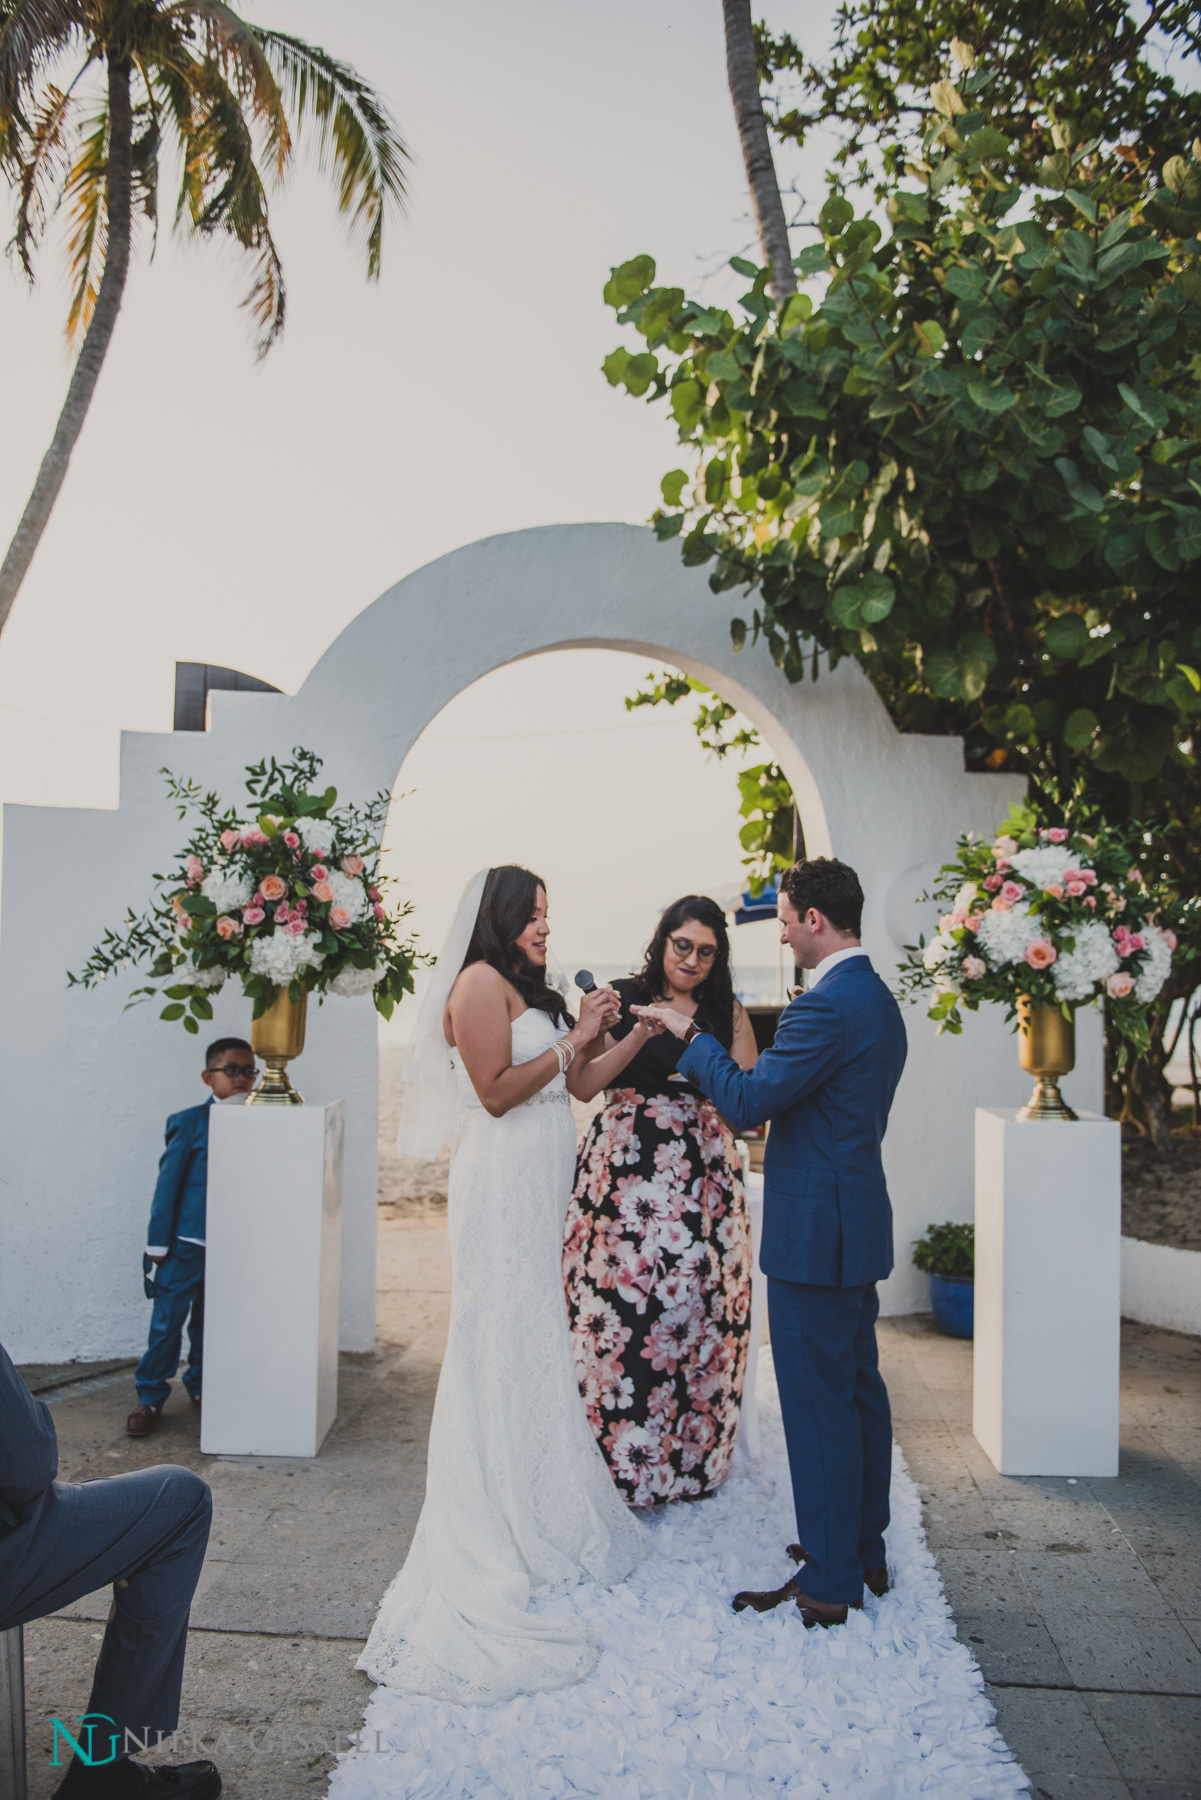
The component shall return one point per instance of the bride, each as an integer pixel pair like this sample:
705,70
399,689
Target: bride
519,1503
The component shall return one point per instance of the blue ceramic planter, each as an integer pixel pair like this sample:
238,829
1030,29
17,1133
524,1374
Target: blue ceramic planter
952,1297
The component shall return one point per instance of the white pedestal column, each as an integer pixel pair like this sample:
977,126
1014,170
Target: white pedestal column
272,1273
1048,1293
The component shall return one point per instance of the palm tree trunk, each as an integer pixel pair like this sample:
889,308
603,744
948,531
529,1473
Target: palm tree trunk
743,76
53,471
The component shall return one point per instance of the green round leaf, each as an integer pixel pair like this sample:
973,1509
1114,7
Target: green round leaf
1080,728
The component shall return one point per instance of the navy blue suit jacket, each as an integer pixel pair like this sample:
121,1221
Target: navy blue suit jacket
826,1084
181,1192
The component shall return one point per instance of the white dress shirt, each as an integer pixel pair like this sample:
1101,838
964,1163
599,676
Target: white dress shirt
831,962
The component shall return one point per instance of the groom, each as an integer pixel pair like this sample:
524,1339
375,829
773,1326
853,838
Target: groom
826,1085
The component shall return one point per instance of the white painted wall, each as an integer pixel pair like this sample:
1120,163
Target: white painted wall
85,1088
1161,1285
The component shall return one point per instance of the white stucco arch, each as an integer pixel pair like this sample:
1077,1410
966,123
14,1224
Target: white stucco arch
86,1088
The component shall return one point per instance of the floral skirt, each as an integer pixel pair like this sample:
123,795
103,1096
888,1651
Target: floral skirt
657,1267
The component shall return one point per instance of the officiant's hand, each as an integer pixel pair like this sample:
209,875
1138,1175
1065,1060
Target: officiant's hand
663,1018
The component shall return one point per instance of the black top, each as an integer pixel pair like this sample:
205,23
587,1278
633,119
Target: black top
652,1070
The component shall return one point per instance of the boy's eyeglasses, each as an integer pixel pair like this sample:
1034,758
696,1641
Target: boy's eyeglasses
683,948
247,1071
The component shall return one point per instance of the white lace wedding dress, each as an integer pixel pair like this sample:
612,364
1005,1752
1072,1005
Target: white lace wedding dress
519,1504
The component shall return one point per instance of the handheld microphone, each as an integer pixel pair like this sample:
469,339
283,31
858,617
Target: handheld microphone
585,981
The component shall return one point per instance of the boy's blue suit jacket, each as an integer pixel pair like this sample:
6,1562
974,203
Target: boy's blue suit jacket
826,1084
181,1192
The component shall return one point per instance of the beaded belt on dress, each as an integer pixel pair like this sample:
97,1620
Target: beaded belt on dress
545,1098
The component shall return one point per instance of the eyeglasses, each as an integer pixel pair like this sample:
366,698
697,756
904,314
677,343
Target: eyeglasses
684,948
247,1071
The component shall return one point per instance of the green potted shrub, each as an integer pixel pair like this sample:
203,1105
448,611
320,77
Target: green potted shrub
947,1255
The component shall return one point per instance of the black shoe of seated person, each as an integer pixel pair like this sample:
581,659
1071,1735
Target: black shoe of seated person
130,1780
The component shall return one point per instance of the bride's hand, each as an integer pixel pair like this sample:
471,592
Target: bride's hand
598,1010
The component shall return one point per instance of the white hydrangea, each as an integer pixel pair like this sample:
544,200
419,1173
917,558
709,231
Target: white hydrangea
936,952
1044,865
227,887
315,834
350,893
282,955
351,982
1154,971
1005,936
965,896
206,979
1079,972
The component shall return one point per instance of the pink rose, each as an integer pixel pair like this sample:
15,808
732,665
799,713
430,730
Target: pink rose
1012,891
295,925
352,865
1075,889
273,887
1119,985
1169,938
1136,941
1002,862
291,840
195,871
1054,889
372,893
992,882
379,912
227,927
301,906
318,872
1041,953
253,915
1001,904
973,968
1089,877
1091,900
230,840
253,836
319,854
1005,846
1119,902
972,922
322,891
339,917
1055,834
283,913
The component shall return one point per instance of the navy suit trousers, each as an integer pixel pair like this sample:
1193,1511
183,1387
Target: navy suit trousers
178,1289
838,1428
146,1533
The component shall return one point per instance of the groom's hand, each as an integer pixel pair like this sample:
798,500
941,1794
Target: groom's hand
663,1018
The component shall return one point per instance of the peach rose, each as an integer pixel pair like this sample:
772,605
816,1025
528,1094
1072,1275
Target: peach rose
273,887
352,865
1119,985
1005,846
227,927
323,891
339,917
1055,889
1001,904
1076,888
973,968
1041,953
230,840
972,922
1169,938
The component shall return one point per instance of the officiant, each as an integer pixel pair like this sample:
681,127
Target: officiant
657,1255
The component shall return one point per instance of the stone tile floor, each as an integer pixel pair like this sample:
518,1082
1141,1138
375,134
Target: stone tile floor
1082,1601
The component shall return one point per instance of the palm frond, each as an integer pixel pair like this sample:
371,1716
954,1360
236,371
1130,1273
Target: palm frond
147,142
85,193
41,164
356,135
235,47
33,34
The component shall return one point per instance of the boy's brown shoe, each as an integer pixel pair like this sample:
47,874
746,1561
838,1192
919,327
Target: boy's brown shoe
142,1421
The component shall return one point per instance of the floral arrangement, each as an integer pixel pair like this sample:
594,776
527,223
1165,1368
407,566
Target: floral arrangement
290,898
1059,914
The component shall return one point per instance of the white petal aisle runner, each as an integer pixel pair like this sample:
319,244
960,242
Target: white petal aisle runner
691,1701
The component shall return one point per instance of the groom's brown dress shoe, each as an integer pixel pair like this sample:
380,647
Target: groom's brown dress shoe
823,1612
766,1601
876,1582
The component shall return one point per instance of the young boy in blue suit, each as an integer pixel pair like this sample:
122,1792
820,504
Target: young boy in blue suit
174,1259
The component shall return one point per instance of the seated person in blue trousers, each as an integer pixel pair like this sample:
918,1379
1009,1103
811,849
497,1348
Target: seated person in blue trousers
146,1533
174,1260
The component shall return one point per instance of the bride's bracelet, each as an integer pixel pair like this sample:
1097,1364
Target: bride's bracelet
565,1052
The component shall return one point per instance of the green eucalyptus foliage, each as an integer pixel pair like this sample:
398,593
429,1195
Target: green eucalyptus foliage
974,463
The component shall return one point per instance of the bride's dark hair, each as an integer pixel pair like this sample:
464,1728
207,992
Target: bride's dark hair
716,991
506,908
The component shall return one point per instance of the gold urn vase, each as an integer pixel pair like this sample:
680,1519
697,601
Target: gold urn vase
277,1037
1047,1050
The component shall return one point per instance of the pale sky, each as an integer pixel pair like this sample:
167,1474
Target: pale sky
219,511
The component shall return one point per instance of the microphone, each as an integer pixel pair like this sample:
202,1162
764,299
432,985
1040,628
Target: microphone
585,981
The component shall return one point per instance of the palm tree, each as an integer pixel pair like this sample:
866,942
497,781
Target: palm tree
231,96
743,75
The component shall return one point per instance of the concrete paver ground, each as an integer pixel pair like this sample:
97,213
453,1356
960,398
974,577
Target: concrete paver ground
1082,1601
